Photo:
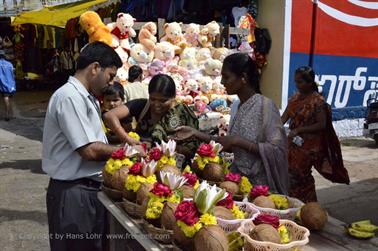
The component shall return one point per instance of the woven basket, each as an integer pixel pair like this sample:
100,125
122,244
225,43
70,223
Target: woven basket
238,197
298,238
133,209
129,195
112,193
159,234
289,214
233,225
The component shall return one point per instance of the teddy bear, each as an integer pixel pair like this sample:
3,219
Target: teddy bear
223,124
206,86
220,53
140,55
122,30
147,35
165,52
91,22
156,67
173,35
188,53
122,75
208,33
202,55
191,34
212,67
191,88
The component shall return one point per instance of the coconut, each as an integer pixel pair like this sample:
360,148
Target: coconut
230,187
265,232
213,172
211,237
143,192
265,202
223,213
119,178
187,191
313,216
171,169
168,219
107,178
196,169
181,240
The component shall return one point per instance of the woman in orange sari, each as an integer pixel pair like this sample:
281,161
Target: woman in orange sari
312,139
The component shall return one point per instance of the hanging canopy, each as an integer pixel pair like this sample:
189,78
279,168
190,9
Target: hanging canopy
59,15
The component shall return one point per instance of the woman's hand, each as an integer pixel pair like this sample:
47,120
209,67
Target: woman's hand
183,133
131,141
227,142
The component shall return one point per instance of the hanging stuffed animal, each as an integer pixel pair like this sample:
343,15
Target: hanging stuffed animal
122,30
91,22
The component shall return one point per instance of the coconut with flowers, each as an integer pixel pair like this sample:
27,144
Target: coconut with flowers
236,184
192,183
163,199
263,198
197,227
164,154
140,173
147,170
207,162
117,167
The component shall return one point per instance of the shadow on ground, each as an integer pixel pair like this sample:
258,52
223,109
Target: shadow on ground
31,129
34,165
353,202
13,215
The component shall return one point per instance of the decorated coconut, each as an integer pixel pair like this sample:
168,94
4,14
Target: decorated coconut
208,163
164,155
192,183
236,184
197,222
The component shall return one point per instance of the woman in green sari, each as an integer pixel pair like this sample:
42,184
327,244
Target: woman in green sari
157,117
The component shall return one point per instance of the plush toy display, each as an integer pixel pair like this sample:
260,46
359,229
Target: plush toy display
147,35
173,35
157,67
122,30
122,75
91,22
208,33
213,67
202,55
206,86
188,53
140,55
191,34
191,87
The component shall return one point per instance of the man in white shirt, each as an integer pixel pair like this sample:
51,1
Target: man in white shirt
74,150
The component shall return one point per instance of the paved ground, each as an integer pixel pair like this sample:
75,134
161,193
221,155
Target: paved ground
23,221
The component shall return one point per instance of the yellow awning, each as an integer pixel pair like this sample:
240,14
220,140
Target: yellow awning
57,15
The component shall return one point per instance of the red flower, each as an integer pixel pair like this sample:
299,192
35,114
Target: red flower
206,150
136,168
259,190
155,154
267,219
144,145
187,212
118,154
234,177
192,178
228,202
161,190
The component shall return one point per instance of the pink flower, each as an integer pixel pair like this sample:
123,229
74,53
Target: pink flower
161,190
192,178
228,202
234,177
187,212
259,190
155,154
118,154
206,150
136,168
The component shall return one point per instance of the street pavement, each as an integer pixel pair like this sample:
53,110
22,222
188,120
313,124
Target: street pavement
23,220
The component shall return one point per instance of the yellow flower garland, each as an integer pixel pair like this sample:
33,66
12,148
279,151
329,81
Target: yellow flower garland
133,182
155,205
113,165
245,186
280,201
134,135
238,214
165,160
205,220
203,161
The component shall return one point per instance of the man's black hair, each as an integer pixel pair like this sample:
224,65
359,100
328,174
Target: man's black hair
98,52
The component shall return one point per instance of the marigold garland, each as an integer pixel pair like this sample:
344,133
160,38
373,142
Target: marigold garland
133,182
